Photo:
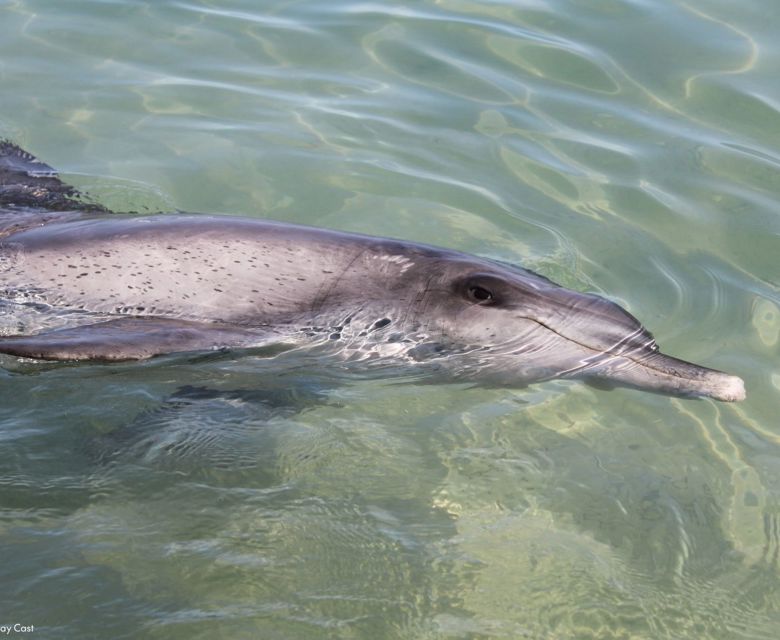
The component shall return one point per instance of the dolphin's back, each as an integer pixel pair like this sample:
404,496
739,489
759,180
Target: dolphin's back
196,267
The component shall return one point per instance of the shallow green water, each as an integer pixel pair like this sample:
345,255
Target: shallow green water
630,148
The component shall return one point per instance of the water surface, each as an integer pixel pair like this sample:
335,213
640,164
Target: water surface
625,147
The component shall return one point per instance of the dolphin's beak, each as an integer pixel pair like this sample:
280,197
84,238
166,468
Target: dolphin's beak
659,372
619,349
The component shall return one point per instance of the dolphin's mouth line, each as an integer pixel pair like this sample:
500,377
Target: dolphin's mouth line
610,352
630,354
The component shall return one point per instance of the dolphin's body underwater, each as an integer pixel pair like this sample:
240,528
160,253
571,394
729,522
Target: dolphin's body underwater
131,287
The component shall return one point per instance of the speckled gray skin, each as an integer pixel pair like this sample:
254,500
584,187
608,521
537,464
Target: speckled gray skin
149,285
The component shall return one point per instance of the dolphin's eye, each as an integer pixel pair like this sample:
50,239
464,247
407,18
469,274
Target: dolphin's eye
480,295
484,289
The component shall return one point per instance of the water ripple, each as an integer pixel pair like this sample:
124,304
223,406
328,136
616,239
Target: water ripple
627,147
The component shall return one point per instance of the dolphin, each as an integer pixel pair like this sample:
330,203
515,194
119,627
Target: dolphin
129,287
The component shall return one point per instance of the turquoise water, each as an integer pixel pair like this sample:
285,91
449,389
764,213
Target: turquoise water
625,147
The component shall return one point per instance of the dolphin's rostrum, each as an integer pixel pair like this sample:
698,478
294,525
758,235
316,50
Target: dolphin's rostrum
142,286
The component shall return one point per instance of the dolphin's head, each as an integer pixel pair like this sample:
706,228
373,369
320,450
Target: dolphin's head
513,326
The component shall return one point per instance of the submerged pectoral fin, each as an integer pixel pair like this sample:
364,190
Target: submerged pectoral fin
133,338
